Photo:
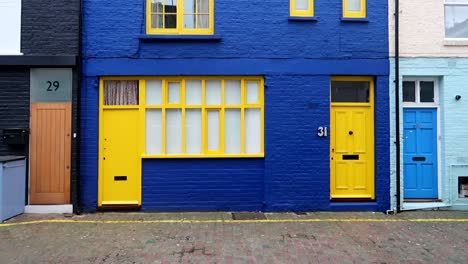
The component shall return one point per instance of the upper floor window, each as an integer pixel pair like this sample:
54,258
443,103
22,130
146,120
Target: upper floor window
354,8
10,27
180,17
301,8
456,19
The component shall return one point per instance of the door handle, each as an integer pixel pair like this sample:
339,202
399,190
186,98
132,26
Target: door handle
419,158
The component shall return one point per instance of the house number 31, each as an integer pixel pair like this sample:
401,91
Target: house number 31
322,131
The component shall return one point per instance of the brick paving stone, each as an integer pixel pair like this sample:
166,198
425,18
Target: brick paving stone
292,242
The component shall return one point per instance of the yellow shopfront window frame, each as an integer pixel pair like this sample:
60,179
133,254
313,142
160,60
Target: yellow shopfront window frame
301,13
179,29
355,14
164,105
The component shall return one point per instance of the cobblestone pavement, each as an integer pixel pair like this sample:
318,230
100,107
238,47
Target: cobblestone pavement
410,237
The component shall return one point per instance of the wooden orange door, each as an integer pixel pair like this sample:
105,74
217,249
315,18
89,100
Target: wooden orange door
50,153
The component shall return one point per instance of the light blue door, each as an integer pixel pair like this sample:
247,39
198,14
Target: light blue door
420,153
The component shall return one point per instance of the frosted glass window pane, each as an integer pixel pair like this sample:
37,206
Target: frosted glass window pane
353,5
456,19
213,92
232,92
153,92
193,131
252,92
193,93
232,131
213,130
301,4
174,93
153,131
173,131
252,131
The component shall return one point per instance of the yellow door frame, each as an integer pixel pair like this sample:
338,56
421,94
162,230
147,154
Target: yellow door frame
141,136
371,143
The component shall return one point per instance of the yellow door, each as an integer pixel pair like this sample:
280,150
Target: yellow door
352,138
120,166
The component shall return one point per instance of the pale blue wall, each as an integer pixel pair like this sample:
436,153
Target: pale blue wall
453,80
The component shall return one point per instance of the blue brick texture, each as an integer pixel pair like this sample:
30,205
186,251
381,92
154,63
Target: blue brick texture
296,59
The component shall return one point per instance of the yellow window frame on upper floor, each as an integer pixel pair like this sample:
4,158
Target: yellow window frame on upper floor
179,16
309,12
355,14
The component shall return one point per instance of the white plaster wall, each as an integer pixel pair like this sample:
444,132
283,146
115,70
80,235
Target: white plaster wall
422,30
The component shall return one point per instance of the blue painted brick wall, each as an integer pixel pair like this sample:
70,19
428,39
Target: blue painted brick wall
296,59
204,184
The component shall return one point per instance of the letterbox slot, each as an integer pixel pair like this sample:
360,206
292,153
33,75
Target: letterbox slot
120,178
419,158
351,157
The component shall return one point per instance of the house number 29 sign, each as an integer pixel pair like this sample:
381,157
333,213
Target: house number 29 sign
322,131
51,85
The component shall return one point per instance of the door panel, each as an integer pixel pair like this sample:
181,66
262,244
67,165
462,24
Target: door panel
352,154
120,177
420,153
50,153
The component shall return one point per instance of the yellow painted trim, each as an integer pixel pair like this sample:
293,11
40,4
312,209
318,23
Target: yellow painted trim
355,14
221,221
301,13
180,30
100,144
142,132
140,142
371,137
208,155
165,80
120,202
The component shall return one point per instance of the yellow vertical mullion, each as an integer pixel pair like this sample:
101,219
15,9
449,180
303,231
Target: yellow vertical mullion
180,16
100,149
142,111
211,16
163,116
149,17
196,14
221,119
242,116
182,102
262,114
204,123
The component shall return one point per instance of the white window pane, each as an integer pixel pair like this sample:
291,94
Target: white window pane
353,5
213,130
213,92
153,131
173,131
232,131
301,5
193,131
153,92
232,92
10,27
252,92
456,21
174,92
193,93
252,131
